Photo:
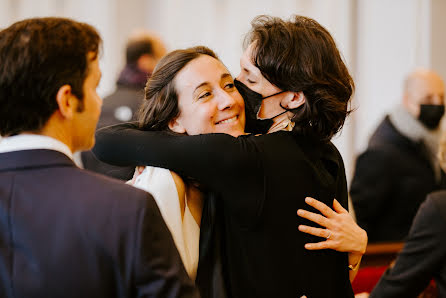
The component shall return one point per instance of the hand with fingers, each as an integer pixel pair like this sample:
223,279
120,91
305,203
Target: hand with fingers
340,231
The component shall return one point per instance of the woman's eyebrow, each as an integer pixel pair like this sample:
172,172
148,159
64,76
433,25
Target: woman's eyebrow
226,75
201,85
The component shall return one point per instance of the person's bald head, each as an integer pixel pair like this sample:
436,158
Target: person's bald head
422,87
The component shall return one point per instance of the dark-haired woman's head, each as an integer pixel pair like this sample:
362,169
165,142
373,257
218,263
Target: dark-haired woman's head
192,92
300,58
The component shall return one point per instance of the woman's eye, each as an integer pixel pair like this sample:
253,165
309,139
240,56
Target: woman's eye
251,81
229,86
204,95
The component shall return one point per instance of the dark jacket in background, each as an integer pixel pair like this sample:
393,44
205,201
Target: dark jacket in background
423,255
391,180
66,232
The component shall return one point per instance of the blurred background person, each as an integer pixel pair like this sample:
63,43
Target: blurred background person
399,167
143,51
424,252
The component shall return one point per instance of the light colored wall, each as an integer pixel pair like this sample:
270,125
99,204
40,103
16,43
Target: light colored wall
438,33
388,39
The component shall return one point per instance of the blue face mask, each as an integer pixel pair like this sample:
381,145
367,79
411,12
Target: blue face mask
253,102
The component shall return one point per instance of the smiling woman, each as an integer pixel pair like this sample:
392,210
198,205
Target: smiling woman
191,92
208,99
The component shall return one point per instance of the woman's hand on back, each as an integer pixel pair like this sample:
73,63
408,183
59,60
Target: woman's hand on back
341,232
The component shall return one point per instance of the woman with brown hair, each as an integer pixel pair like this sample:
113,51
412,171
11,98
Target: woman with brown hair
263,179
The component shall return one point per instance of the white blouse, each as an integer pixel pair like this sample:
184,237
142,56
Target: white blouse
185,232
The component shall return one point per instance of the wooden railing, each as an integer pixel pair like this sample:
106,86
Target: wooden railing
381,254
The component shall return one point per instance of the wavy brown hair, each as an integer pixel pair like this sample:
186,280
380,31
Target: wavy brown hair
301,55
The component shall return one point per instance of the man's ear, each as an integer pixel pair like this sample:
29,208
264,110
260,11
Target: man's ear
294,100
66,102
175,126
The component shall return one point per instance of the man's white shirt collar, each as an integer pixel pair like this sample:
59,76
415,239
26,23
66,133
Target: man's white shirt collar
31,142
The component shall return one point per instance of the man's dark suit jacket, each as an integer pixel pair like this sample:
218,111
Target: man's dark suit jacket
423,255
391,180
66,232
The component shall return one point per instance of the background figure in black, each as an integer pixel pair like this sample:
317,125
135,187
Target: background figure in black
143,51
400,166
423,255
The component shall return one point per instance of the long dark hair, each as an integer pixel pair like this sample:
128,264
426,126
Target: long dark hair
160,104
300,55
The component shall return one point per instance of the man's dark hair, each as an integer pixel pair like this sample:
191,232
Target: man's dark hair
137,48
160,104
37,57
300,55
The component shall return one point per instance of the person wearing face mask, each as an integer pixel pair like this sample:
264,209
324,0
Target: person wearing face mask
422,257
399,167
261,180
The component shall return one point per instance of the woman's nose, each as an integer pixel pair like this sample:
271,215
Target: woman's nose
226,100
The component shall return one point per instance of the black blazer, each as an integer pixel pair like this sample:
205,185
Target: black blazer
423,255
391,180
66,232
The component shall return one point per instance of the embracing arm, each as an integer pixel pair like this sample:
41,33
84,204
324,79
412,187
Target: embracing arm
341,232
212,159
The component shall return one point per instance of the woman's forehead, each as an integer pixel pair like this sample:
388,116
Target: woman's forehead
202,69
246,61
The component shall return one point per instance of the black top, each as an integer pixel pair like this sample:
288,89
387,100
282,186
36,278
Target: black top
423,255
66,232
262,181
391,180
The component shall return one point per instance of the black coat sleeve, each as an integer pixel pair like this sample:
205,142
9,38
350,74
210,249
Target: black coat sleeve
229,166
421,258
158,269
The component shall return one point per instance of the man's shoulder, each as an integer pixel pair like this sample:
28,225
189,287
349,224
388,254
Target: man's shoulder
437,199
387,140
107,185
385,133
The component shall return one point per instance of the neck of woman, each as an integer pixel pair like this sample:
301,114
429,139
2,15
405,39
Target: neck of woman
282,122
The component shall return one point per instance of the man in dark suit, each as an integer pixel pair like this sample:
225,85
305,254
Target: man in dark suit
400,166
66,232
